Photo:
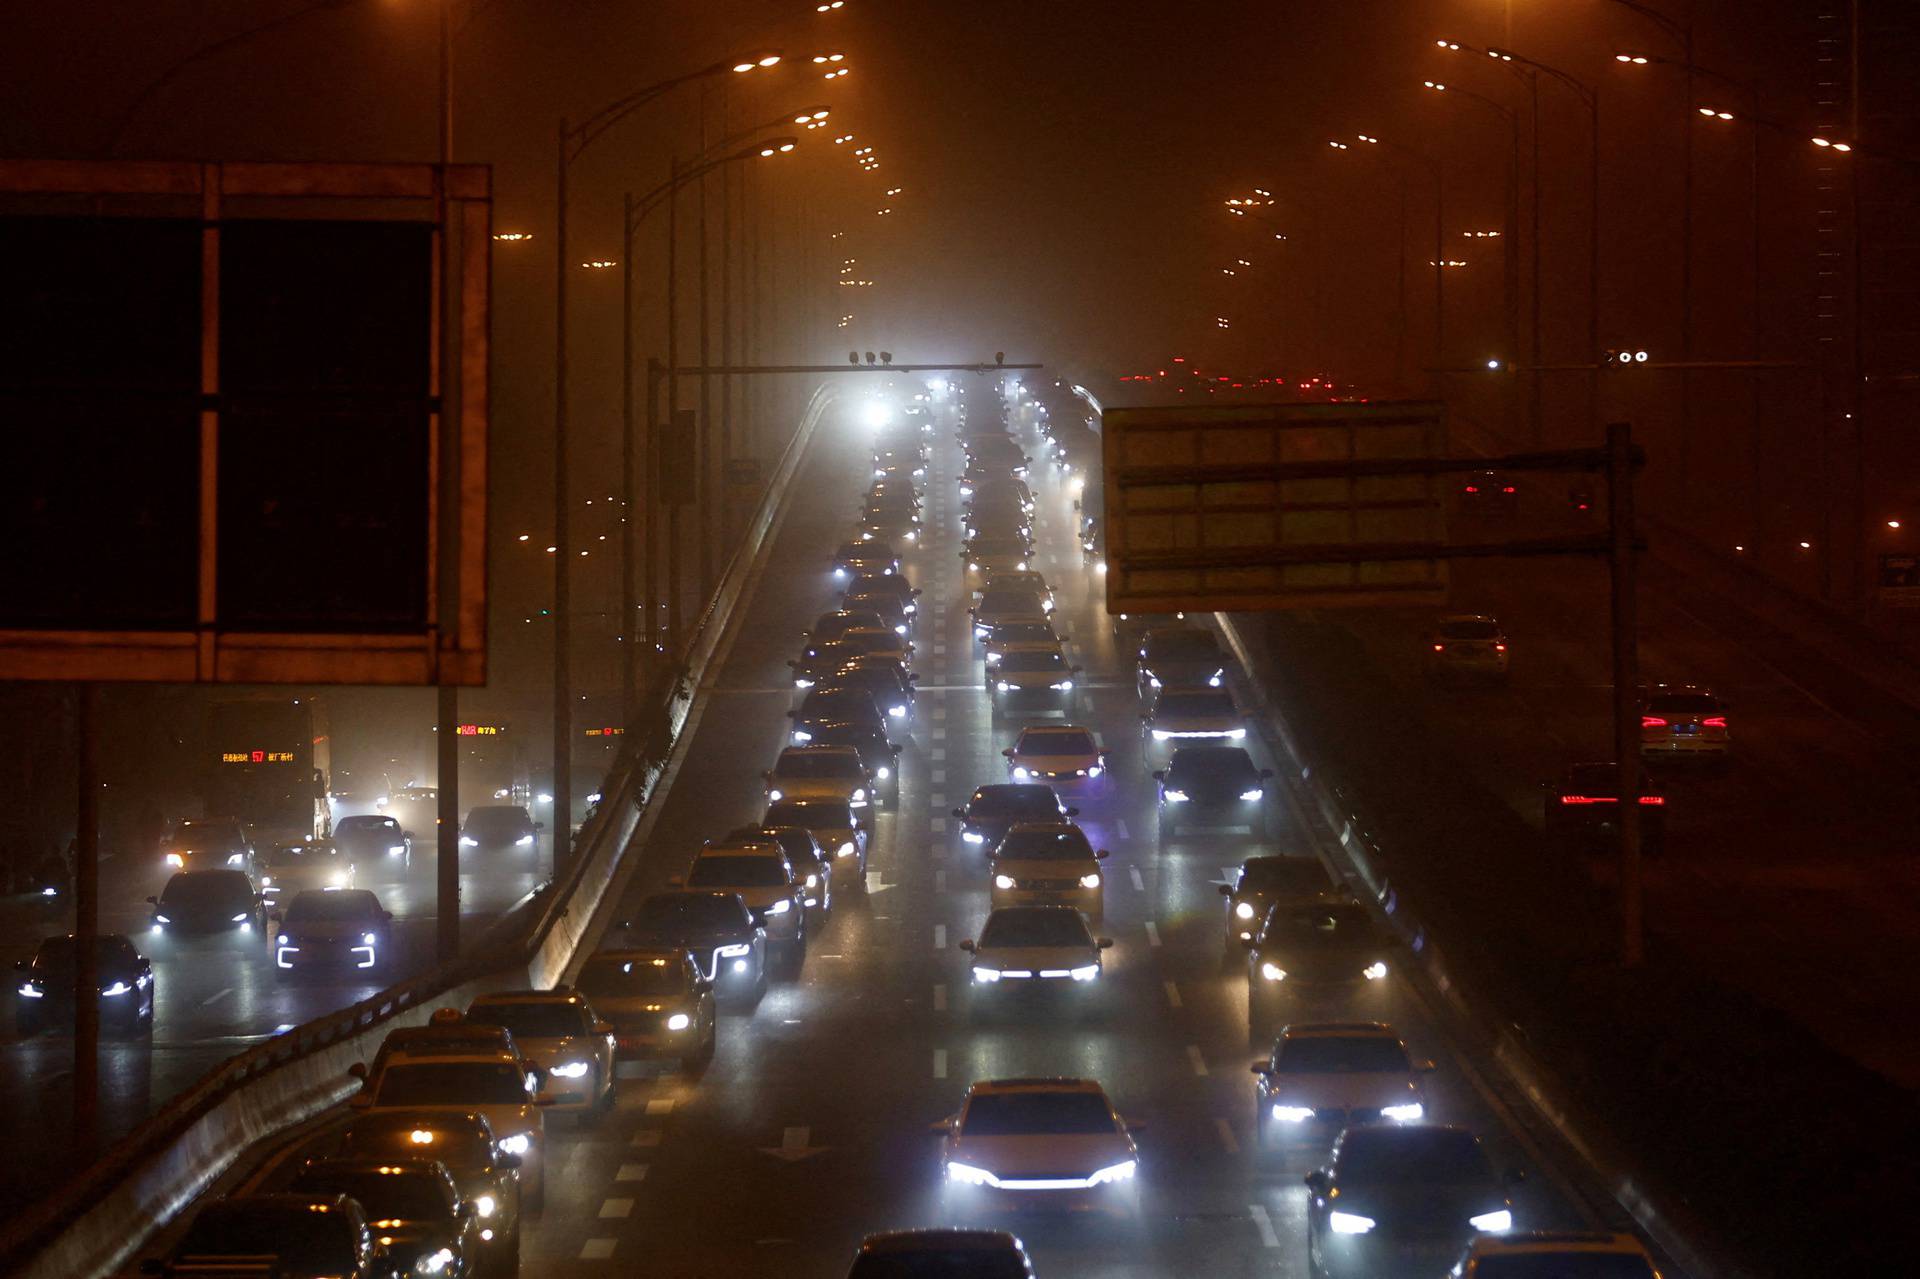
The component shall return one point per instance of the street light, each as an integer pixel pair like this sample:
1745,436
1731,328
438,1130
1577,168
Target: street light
1439,250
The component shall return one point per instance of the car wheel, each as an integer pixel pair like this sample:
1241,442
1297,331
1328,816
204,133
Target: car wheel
796,957
696,1063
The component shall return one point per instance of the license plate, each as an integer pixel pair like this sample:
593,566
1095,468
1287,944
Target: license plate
1685,730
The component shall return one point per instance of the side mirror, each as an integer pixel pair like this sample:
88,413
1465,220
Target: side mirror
1261,1068
1159,774
1008,752
1226,890
153,901
406,834
1073,812
386,917
766,774
967,945
1104,943
1076,670
358,1070
916,590
791,662
790,714
1318,1182
913,679
539,825
603,1028
961,813
941,1127
510,1161
1101,854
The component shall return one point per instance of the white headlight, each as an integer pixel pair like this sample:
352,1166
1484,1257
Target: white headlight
845,850
29,991
1493,1223
1244,910
780,907
1347,1223
973,837
1003,881
1374,971
1064,686
468,841
1004,687
898,712
118,988
1273,972
1161,735
1237,733
737,948
1020,773
1121,1171
1095,771
773,792
240,918
518,1144
485,1205
395,850
1251,795
883,772
859,793
985,974
801,736
1172,796
1403,1114
525,841
1090,881
1293,1114
1086,972
572,1069
366,939
679,1021
968,1175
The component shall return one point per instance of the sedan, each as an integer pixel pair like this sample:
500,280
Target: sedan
563,1034
1324,952
992,810
1683,722
884,677
728,945
1467,646
658,1002
1260,883
758,870
498,826
981,1254
1050,1144
837,706
819,772
322,929
1212,786
894,584
1063,755
1331,1074
1402,1200
1034,948
808,857
1029,678
1033,635
1000,605
1047,863
856,559
123,979
422,1228
290,869
880,756
1195,714
373,837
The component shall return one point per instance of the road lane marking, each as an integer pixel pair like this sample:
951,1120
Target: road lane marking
939,775
596,1249
939,997
939,881
1153,934
938,825
939,936
939,1063
1173,993
1124,832
216,997
937,800
1139,884
1227,1138
1264,1224
939,712
660,1106
1199,1062
645,1138
631,1172
937,753
617,1208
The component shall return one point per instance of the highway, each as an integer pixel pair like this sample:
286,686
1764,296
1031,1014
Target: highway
811,1127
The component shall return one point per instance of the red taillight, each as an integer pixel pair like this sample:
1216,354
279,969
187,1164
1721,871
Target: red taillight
1655,800
1586,799
1507,489
1652,721
1473,488
1714,721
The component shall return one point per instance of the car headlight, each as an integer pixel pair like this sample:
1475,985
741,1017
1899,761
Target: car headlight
845,850
281,940
1020,773
235,859
1003,881
1064,686
161,919
679,1021
901,629
801,735
1497,1222
968,1175
266,881
1251,795
525,841
1090,881
1292,1114
485,1205
973,837
985,974
780,907
571,1070
366,939
1004,687
898,712
241,918
1244,910
1374,971
1122,1171
1273,972
468,841
1349,1223
736,949
1023,566
803,683
395,850
118,988
29,991
859,793
1172,796
1086,972
1237,734
993,659
1405,1114
1094,770
839,572
970,564
518,1144
175,859
434,1263
883,772
1161,735
774,792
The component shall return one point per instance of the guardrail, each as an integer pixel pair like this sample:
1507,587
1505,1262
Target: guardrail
92,1223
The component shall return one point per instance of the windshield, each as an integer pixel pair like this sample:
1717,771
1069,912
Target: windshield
1008,599
817,764
1329,1054
813,815
293,855
365,825
694,910
1045,845
1412,1154
396,1196
1563,1265
209,888
1227,763
56,953
1198,704
309,1242
1015,801
336,907
1683,704
534,1021
618,976
1013,1114
1181,646
498,818
1033,661
1337,924
1074,743
940,1263
1476,630
1025,633
723,869
452,1083
878,606
837,703
1049,926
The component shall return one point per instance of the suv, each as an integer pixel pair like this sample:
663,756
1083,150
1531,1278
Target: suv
560,1032
208,843
1683,721
1188,656
44,998
758,870
1580,806
373,837
1336,1073
289,869
498,826
207,901
1468,646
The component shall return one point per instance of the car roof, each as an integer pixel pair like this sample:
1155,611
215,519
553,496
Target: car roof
646,953
815,750
401,1057
741,848
1062,827
563,995
1467,617
1054,730
1339,1030
1037,1083
944,1237
1552,1241
421,1117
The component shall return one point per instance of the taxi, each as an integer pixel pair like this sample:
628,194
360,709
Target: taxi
1063,754
559,1030
1047,863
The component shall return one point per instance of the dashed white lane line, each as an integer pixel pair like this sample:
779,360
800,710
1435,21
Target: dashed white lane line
1199,1062
1153,934
631,1172
1122,826
1264,1224
939,712
1139,884
939,936
939,997
596,1249
939,1063
1227,1138
617,1208
1173,994
937,799
645,1139
660,1106
939,775
939,881
937,753
216,997
938,825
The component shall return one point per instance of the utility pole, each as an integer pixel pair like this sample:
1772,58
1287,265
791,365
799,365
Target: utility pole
1626,686
562,544
447,694
86,928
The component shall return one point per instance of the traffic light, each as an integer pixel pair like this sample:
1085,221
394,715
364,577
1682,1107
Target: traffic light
1616,359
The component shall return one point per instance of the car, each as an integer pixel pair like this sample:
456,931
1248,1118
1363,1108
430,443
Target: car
498,1085
891,611
1010,490
332,928
881,757
758,870
1683,722
659,1003
1212,786
1062,755
855,559
832,625
1401,1200
1555,1254
1329,1074
564,1035
290,869
1043,1143
1581,806
819,772
1467,646
420,1225
1128,627
1047,863
886,525
1000,605
1263,881
1488,493
498,826
834,705
1036,635
123,979
728,944
1030,948
1308,954
1195,714
984,555
993,523
207,901
1179,656
809,859
209,843
373,837
1091,539
287,1236
834,824
910,458
894,584
463,1143
953,1253
992,810
1025,579
817,661
878,641
448,1033
1026,678
882,675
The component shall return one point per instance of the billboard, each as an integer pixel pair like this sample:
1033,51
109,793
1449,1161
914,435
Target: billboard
1251,507
246,411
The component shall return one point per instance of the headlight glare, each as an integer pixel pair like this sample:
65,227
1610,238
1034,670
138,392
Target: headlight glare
1374,971
1497,1222
1090,881
1273,972
1244,910
1348,1223
679,1021
1403,1114
1121,1171
570,1070
518,1144
1292,1114
1003,881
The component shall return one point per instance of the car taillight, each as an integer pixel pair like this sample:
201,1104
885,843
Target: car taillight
1652,721
1473,488
1714,721
1586,799
1655,800
1499,648
1507,489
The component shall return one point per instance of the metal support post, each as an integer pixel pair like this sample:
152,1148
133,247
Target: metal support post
1626,681
86,929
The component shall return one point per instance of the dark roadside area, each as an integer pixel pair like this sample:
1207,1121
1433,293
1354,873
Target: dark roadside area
1799,1160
